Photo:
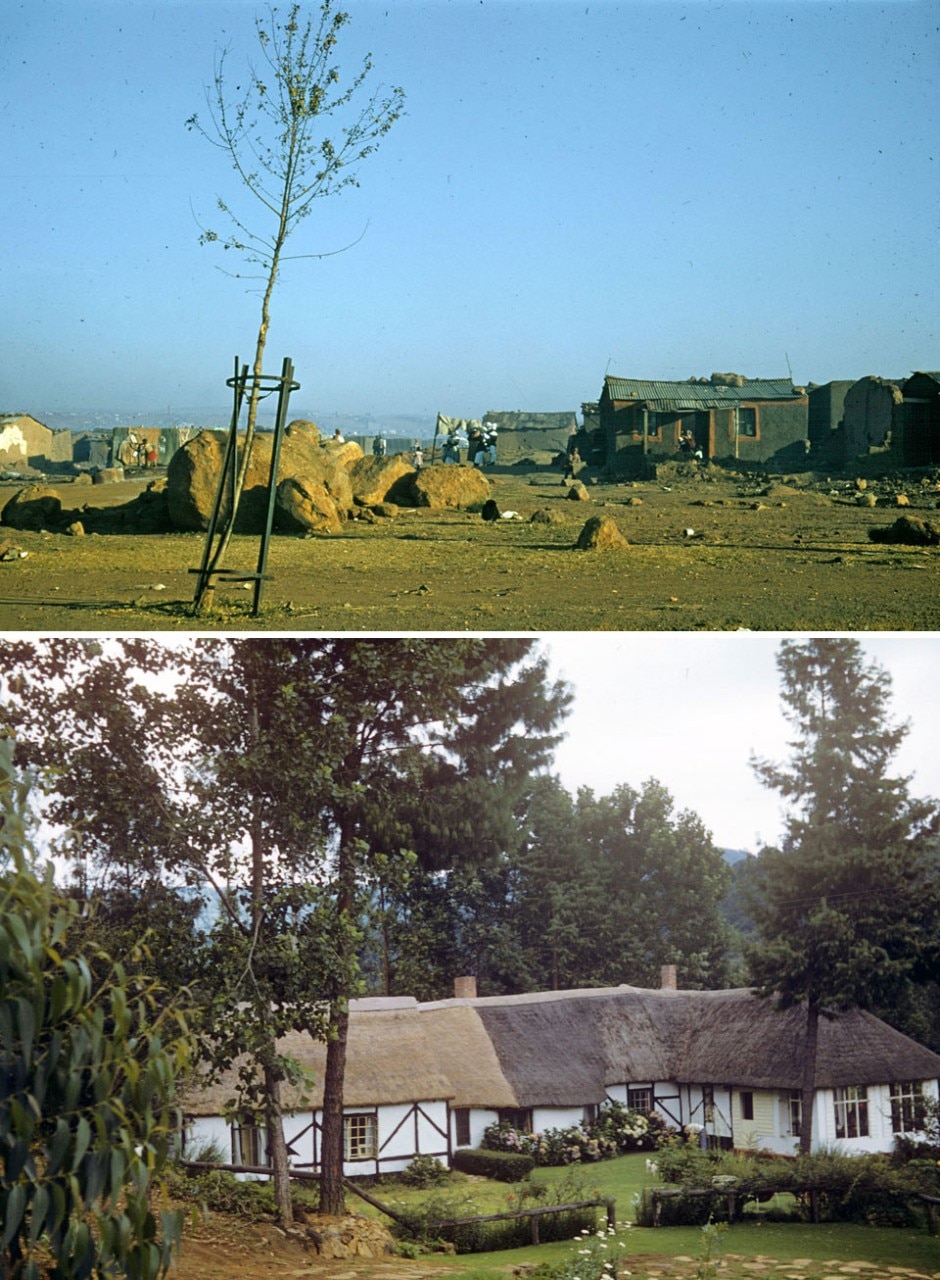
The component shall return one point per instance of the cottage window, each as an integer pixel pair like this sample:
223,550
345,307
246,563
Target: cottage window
851,1107
745,422
908,1112
747,1106
795,1112
249,1144
653,423
360,1136
517,1118
462,1126
640,1098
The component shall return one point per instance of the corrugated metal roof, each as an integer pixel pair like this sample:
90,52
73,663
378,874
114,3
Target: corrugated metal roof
669,396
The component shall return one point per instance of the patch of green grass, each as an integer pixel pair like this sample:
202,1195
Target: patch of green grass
623,1178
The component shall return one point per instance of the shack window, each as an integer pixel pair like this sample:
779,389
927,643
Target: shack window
359,1136
745,422
747,1106
908,1112
851,1107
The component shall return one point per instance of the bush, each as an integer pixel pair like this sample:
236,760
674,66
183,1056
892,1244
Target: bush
502,1166
424,1171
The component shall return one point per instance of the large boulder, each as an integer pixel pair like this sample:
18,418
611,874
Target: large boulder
35,507
305,506
193,475
373,479
910,530
444,486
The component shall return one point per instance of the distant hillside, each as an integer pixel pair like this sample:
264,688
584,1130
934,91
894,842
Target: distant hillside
732,856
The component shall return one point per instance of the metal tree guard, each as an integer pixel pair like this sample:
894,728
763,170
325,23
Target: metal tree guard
219,525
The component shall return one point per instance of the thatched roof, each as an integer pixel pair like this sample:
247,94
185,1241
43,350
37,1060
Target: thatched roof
566,1048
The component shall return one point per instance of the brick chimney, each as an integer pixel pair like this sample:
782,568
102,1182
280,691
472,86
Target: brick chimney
668,978
465,988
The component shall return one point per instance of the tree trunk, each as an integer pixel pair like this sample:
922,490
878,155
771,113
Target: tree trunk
808,1091
332,1197
277,1147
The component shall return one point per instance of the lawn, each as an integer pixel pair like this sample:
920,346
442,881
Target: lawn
622,1179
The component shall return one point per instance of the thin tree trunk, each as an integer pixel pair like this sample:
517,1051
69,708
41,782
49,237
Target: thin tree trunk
277,1147
808,1091
205,604
332,1196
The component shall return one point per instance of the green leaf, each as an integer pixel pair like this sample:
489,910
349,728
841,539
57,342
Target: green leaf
14,1206
38,1211
82,1139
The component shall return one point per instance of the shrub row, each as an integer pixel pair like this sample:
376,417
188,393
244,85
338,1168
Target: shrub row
502,1166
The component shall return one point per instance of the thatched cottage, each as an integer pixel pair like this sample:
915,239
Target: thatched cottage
424,1079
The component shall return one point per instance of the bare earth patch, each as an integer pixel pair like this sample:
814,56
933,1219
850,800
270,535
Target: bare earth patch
718,553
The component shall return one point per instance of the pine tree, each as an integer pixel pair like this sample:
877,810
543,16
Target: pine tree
847,911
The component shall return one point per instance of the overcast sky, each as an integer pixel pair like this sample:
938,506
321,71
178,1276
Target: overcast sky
652,189
689,709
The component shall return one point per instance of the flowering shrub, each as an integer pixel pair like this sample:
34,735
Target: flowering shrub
629,1130
616,1130
503,1137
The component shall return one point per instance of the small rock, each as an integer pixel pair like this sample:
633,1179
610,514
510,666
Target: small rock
76,529
600,533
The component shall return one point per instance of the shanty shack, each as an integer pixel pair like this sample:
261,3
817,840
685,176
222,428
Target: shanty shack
725,417
424,1079
27,442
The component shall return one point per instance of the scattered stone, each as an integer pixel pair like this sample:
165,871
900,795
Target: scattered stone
545,515
386,510
861,483
600,533
577,492
902,500
866,500
634,502
909,530
34,507
108,475
83,478
76,529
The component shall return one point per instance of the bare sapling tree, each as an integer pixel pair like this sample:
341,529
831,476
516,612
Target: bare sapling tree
294,134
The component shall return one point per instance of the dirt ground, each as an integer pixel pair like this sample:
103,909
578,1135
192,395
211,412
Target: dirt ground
707,551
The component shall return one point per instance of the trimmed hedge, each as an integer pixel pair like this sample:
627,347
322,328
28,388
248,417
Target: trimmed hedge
502,1166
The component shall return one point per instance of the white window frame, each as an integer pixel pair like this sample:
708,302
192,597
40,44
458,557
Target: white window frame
907,1106
360,1135
850,1103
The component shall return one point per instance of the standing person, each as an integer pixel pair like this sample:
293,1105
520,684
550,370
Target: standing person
418,456
572,464
450,450
489,442
338,437
474,446
379,447
151,456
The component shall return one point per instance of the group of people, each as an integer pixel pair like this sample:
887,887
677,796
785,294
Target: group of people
135,451
480,443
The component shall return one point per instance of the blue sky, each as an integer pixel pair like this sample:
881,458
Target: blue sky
689,709
652,189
